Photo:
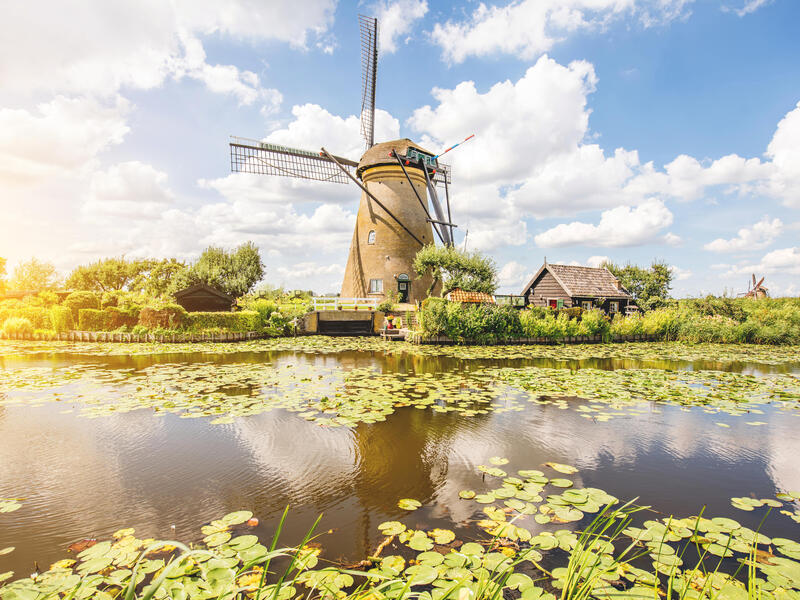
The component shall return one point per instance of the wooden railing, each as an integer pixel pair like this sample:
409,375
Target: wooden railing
336,303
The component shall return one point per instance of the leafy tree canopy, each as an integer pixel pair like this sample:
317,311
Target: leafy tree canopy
35,275
234,272
650,287
470,271
139,275
2,274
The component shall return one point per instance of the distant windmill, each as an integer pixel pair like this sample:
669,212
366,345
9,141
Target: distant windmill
398,180
758,290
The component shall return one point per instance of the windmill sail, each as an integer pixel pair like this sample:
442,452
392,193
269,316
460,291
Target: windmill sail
444,232
369,73
262,158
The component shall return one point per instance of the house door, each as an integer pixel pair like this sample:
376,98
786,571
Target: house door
553,303
403,284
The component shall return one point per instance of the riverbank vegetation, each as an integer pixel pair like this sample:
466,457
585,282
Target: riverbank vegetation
723,320
536,535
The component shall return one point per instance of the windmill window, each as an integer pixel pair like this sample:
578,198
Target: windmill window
376,286
613,307
371,237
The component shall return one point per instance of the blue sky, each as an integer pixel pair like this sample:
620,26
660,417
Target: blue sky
626,129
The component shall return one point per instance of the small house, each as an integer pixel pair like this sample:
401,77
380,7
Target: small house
567,286
202,297
459,295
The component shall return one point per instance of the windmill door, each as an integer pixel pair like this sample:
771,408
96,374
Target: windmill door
403,284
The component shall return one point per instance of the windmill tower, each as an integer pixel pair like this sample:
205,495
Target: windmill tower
398,181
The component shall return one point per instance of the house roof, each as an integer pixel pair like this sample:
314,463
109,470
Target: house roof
202,287
459,295
583,282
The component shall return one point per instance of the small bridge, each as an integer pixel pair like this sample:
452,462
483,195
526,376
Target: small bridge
344,316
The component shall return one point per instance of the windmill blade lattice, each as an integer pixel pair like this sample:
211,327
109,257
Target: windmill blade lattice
261,158
369,74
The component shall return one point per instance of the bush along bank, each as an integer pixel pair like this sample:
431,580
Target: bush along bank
131,317
725,320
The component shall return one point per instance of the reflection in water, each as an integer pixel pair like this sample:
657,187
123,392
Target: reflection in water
165,475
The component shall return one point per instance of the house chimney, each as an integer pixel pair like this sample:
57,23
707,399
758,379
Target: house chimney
617,283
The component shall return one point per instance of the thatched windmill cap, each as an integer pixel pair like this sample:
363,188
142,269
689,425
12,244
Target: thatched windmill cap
380,154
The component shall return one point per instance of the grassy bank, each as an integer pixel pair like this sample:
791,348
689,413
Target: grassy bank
46,314
721,320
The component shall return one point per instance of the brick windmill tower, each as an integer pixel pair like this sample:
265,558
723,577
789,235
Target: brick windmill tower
398,181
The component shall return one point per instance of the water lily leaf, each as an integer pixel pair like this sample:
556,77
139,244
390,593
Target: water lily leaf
519,581
466,494
5,576
561,468
217,539
471,549
563,483
237,518
8,505
498,461
242,542
391,527
409,504
421,574
432,559
442,536
393,564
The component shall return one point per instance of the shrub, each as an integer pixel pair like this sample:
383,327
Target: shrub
630,325
121,317
263,307
17,326
92,319
243,321
78,300
595,322
61,318
37,315
164,316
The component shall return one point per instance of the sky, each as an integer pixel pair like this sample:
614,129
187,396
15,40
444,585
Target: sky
628,130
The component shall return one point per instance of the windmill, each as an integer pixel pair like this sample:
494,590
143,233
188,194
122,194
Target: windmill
398,180
758,290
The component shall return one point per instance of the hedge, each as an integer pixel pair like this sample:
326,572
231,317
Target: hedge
92,319
38,316
78,300
168,316
61,318
122,317
245,320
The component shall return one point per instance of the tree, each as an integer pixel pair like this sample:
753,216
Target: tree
470,271
35,275
234,272
150,276
2,274
649,287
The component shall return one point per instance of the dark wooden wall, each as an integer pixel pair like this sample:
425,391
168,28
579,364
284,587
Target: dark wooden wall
205,302
544,288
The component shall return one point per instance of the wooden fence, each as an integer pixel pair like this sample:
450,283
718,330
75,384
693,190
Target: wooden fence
113,336
336,303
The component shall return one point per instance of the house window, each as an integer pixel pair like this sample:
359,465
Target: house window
376,286
613,307
586,305
371,237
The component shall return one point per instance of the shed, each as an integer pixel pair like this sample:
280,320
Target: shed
567,286
459,295
202,297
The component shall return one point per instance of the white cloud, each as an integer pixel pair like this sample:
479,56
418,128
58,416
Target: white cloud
58,138
680,274
397,19
750,6
129,190
527,28
757,237
785,261
784,152
97,47
621,226
596,261
513,275
671,239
